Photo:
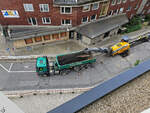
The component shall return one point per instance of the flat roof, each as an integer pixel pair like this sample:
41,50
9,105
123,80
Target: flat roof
101,26
75,2
25,32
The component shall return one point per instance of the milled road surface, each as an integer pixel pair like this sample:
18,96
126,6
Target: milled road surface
22,76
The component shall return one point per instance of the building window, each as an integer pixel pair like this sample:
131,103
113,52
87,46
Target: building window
118,1
28,7
66,22
47,37
104,9
143,11
116,11
95,6
121,10
32,20
55,36
28,41
124,1
148,11
86,8
129,8
46,20
84,19
44,7
136,6
63,34
66,10
113,2
93,17
110,12
38,39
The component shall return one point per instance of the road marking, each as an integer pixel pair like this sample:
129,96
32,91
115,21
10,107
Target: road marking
26,66
21,71
4,68
10,66
9,71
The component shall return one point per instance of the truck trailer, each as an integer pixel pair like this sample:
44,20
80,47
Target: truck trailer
64,63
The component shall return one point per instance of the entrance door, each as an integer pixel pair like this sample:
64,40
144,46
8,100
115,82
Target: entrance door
71,35
32,21
79,36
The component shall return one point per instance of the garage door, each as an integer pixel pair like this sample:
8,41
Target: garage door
38,39
47,37
29,41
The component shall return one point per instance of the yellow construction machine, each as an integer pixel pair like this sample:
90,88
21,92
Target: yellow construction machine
121,48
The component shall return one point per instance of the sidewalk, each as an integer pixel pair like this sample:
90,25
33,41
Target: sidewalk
115,39
6,48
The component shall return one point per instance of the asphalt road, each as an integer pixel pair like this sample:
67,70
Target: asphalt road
22,76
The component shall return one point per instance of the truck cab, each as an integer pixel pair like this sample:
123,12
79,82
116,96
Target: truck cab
42,66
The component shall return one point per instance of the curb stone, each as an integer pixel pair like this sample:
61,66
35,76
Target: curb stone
20,94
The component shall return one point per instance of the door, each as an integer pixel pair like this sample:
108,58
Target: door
71,35
79,36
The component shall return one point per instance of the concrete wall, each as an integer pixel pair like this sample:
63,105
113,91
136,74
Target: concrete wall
93,41
86,40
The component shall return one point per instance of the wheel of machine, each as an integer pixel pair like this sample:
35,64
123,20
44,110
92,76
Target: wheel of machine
52,72
77,68
57,72
125,53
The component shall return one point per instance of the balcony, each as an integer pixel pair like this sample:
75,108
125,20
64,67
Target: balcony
74,2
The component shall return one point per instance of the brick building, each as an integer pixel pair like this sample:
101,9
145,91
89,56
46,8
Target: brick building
129,7
67,14
146,9
48,13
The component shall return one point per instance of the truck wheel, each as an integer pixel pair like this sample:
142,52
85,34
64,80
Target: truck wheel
57,72
77,68
125,53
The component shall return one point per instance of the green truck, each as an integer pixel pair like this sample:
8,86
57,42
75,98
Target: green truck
64,63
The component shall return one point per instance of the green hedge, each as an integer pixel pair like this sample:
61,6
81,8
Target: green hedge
133,28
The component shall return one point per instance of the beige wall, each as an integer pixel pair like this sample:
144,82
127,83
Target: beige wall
97,39
22,43
86,40
89,41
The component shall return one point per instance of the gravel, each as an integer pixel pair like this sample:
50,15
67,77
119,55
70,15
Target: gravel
133,97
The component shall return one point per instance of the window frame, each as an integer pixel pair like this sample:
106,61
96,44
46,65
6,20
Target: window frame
129,9
26,6
65,22
44,18
93,19
113,3
32,21
42,6
86,21
88,8
97,6
122,10
65,10
119,2
124,1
